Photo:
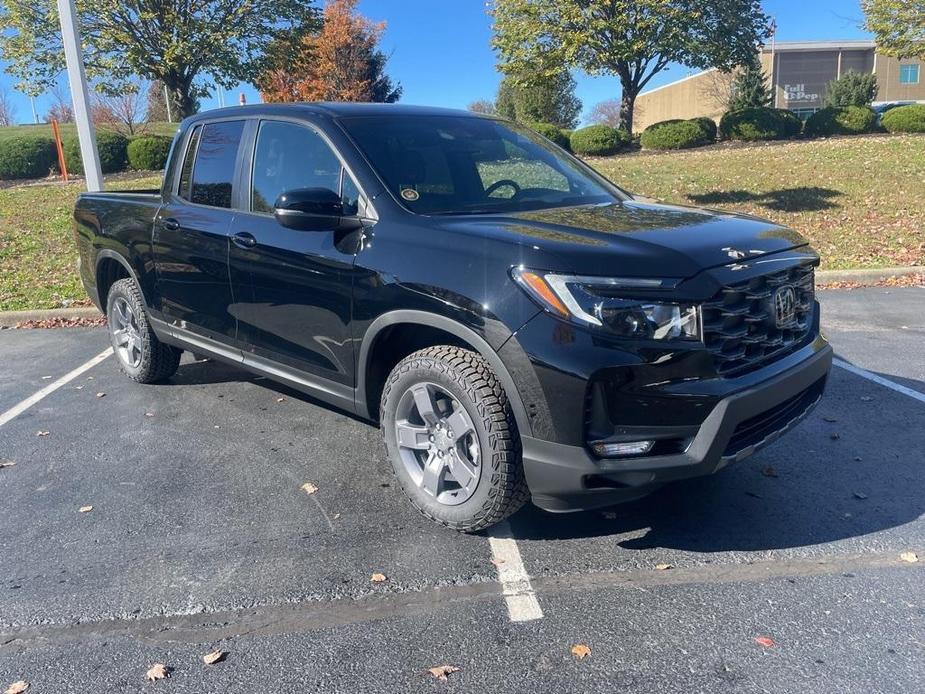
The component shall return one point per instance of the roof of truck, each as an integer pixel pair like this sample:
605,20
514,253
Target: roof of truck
333,109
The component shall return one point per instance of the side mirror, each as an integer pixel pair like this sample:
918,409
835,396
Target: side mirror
313,209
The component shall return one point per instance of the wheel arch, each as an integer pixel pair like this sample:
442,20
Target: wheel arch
461,335
110,268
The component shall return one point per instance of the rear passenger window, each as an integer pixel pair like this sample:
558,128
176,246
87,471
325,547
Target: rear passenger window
187,171
214,168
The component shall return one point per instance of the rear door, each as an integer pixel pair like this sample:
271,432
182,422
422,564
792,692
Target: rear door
192,229
293,289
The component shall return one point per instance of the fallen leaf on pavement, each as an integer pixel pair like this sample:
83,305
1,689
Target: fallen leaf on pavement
46,378
910,557
829,419
149,414
663,567
156,672
580,651
860,495
280,399
42,433
866,398
309,488
378,578
834,437
214,657
101,395
765,641
441,671
17,687
85,509
497,562
769,471
6,463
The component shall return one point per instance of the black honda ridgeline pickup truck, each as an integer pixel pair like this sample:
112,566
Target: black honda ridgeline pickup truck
519,326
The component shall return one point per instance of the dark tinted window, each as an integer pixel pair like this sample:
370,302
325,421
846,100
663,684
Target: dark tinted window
187,169
351,195
468,165
290,156
214,168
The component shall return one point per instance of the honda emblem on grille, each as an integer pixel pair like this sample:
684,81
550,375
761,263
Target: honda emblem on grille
785,305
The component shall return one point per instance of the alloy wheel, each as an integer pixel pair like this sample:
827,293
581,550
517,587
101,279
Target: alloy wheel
125,332
438,443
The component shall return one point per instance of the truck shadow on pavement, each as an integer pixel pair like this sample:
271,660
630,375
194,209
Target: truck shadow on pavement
801,199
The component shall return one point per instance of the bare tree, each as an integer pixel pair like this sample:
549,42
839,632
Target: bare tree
483,106
61,110
124,112
606,113
7,109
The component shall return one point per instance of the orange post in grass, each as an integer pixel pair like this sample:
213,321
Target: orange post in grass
57,133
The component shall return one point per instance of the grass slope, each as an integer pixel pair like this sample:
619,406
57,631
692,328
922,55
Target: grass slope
70,130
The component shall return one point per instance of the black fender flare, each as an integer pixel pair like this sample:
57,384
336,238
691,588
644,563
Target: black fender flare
464,333
109,254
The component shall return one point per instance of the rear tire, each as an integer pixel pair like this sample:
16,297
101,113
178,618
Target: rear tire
141,356
467,479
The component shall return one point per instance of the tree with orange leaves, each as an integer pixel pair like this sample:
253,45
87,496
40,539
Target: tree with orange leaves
341,62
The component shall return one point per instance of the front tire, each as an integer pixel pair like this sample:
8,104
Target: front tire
142,357
451,438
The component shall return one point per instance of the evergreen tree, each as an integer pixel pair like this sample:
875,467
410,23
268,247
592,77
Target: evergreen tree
852,89
551,101
749,88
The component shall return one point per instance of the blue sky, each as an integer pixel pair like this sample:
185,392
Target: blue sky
441,54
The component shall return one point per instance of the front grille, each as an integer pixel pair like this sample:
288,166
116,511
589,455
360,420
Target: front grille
739,324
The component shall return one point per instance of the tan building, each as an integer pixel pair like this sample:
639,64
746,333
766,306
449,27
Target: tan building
798,74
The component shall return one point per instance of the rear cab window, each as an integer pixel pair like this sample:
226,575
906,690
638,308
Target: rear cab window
208,171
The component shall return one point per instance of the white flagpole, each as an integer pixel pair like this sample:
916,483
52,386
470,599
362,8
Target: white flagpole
70,35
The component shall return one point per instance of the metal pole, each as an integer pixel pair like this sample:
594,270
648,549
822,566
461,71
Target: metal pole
167,101
35,115
80,94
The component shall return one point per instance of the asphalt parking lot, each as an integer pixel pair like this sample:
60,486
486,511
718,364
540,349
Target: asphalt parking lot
201,538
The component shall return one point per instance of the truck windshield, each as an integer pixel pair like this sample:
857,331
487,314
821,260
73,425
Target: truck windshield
470,165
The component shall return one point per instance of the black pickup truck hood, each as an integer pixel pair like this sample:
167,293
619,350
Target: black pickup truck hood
635,238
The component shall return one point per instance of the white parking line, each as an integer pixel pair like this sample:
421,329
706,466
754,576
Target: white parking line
522,605
21,407
880,380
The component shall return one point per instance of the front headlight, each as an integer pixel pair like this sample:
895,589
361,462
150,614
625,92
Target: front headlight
598,302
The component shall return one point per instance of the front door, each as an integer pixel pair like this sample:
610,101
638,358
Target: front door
293,289
191,234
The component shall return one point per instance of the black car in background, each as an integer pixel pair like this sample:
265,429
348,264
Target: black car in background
517,325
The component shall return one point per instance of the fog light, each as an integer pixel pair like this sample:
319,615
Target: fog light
603,449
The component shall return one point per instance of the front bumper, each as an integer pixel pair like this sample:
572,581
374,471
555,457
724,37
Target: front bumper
565,477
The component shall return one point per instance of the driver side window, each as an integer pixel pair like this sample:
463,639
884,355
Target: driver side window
290,156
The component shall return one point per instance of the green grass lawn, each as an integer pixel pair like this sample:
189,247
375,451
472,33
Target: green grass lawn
69,130
38,256
859,200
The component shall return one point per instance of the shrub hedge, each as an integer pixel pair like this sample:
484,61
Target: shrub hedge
27,157
843,120
598,140
113,152
551,132
759,124
678,134
709,127
905,119
148,152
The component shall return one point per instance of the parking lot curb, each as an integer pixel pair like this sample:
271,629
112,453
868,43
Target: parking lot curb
10,319
867,276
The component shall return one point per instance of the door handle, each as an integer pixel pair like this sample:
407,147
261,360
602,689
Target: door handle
244,240
170,224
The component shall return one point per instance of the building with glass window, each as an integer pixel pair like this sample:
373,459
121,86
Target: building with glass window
798,74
